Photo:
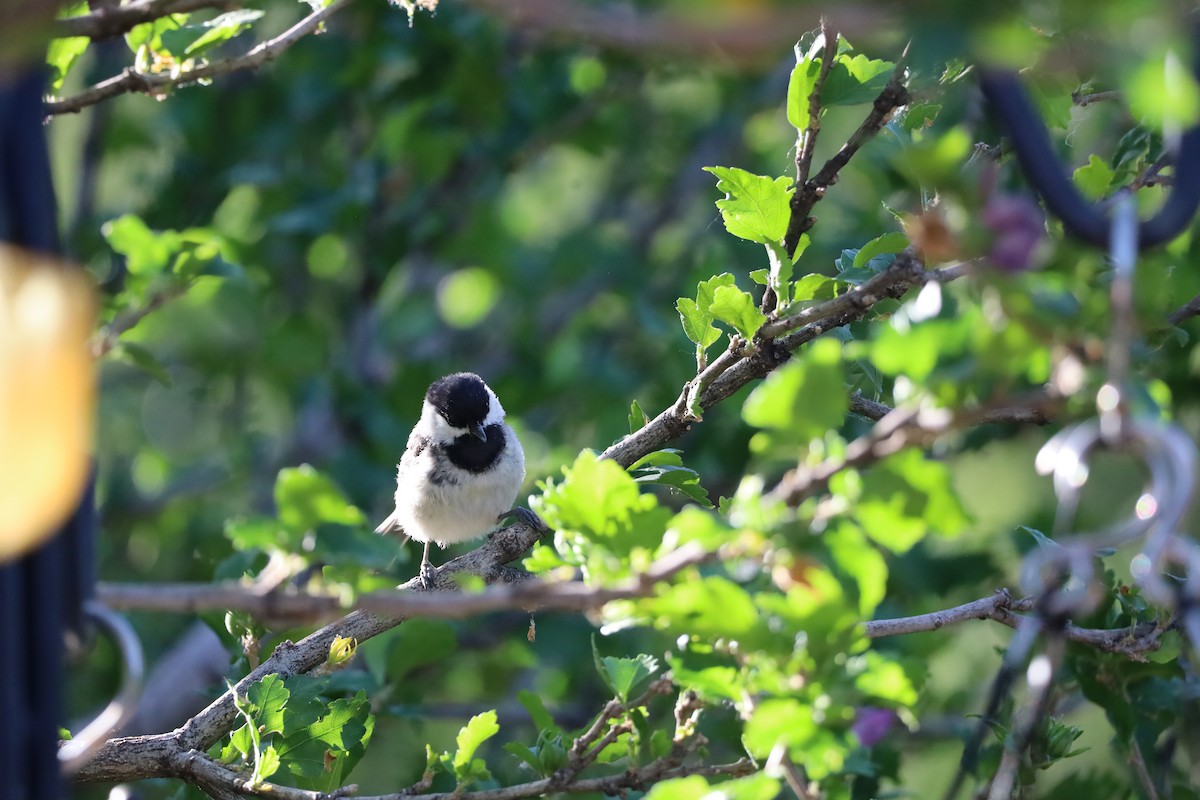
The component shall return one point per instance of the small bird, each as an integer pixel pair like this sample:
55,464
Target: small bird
459,475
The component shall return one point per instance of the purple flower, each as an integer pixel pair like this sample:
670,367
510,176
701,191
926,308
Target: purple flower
1018,225
872,723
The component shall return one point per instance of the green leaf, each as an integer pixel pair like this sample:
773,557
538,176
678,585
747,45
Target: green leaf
213,32
600,514
529,757
892,242
885,680
62,55
906,496
537,711
711,606
696,315
637,417
149,34
269,762
921,115
755,207
322,754
805,397
853,555
305,499
665,467
1163,92
419,642
855,79
480,728
800,86
267,700
792,724
135,355
146,252
625,676
737,309
693,787
812,287
1094,178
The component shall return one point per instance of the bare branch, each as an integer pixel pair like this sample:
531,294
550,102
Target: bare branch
130,80
284,607
1087,98
106,338
1133,643
107,21
904,427
1185,312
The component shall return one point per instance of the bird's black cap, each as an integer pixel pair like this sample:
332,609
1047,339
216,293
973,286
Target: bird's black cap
461,398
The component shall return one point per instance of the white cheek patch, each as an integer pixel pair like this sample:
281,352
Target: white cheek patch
495,410
436,425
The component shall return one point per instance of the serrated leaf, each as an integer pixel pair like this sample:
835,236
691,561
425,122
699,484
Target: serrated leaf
478,730
855,79
625,676
800,86
755,207
737,309
892,242
268,698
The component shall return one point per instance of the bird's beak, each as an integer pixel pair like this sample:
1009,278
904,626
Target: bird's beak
478,432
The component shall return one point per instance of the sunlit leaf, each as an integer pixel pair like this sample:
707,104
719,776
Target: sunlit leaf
755,207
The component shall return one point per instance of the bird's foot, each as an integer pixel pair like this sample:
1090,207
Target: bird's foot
427,574
525,516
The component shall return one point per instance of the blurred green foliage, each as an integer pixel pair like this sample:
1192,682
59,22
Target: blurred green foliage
290,257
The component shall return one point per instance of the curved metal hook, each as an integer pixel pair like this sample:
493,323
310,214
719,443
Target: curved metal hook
76,753
1062,576
1046,173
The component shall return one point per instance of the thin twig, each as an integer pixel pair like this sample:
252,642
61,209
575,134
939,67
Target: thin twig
114,20
901,428
806,143
106,338
1138,762
1087,98
1185,312
893,96
1133,643
131,80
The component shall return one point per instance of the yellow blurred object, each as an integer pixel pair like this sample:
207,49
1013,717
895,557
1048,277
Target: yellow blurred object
47,396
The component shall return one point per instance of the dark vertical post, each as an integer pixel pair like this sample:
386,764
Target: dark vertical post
41,593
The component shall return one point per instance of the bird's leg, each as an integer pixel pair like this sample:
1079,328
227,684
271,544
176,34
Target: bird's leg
524,515
427,572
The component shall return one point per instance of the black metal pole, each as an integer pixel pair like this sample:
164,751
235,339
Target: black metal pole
41,594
